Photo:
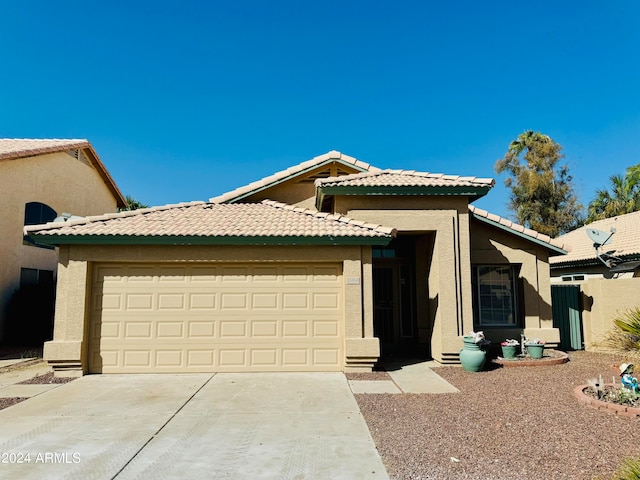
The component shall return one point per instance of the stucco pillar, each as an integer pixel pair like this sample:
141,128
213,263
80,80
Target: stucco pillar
541,325
66,352
362,349
450,287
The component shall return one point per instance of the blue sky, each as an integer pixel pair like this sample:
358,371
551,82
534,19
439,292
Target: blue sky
187,100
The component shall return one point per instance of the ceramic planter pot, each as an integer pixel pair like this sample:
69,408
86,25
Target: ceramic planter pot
535,350
509,352
472,357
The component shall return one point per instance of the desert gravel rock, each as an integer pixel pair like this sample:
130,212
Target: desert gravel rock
9,401
505,423
46,378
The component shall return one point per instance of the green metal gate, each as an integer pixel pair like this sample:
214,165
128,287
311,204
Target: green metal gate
567,315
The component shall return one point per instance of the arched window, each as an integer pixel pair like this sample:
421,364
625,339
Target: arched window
36,213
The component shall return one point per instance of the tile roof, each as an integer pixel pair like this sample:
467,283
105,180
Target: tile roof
555,245
11,148
214,220
403,178
290,172
624,243
16,148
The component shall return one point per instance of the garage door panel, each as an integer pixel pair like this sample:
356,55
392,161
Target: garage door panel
202,301
170,330
171,301
202,329
205,318
265,328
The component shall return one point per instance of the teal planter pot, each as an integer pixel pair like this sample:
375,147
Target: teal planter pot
509,352
472,357
535,350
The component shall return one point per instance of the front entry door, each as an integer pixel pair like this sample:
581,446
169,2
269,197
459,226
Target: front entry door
393,319
385,304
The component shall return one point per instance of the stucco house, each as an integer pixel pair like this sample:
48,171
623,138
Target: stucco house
39,181
324,266
603,287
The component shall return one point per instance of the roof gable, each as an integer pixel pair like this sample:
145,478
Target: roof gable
625,242
18,148
202,223
306,172
554,246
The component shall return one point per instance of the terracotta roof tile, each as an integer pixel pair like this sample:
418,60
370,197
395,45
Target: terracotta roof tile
625,241
200,219
556,244
11,148
289,172
403,178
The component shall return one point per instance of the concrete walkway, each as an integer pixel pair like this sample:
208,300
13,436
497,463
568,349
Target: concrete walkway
199,426
406,377
10,380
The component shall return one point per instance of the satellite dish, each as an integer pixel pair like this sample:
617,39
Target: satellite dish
599,237
66,217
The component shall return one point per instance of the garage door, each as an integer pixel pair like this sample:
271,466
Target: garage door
216,318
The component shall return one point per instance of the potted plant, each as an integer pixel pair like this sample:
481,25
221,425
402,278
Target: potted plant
473,354
509,347
535,348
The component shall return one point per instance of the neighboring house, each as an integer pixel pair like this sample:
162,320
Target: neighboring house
603,290
39,181
324,266
622,250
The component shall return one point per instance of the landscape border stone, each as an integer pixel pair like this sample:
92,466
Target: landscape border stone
620,410
558,358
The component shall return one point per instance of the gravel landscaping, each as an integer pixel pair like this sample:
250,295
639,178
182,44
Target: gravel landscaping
7,402
13,352
46,378
506,423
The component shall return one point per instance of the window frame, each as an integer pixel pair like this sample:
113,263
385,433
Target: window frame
514,289
37,213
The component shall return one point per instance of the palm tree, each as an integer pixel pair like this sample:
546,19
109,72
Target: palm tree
527,140
542,194
622,197
133,204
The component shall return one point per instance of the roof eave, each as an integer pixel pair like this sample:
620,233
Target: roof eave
57,240
473,193
121,202
552,248
589,262
34,152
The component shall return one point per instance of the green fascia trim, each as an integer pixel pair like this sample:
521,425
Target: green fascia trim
476,192
546,245
200,240
471,192
297,174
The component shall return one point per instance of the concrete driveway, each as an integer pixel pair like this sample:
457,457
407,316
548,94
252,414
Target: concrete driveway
197,426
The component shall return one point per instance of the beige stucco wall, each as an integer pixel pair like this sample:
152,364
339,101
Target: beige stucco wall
493,246
299,191
67,352
57,180
603,299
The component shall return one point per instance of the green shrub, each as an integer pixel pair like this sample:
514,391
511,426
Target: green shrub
625,336
630,470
